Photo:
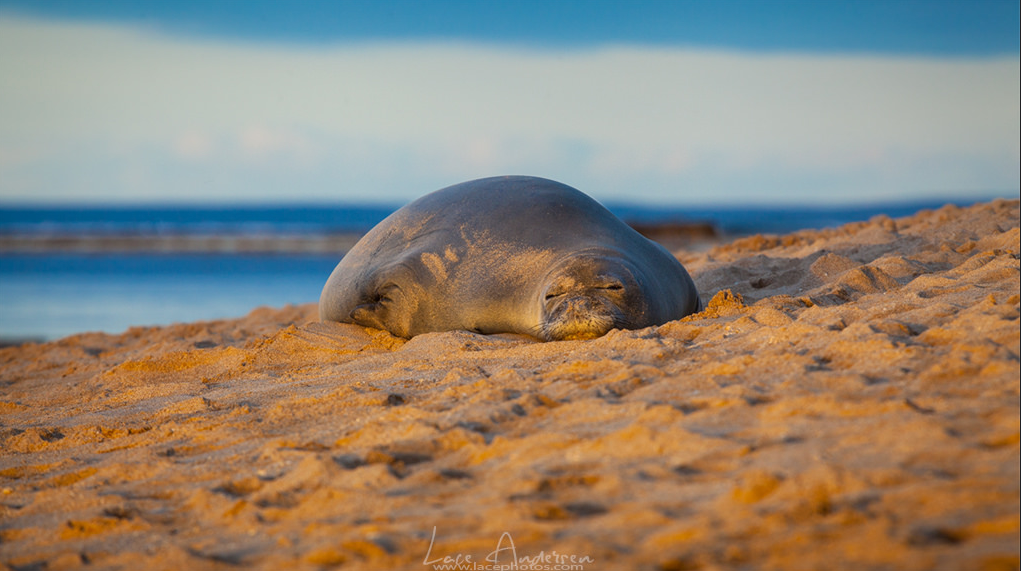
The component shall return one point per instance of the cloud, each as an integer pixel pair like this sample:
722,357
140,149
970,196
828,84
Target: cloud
193,145
195,119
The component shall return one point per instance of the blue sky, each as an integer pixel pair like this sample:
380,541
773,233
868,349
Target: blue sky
677,102
942,27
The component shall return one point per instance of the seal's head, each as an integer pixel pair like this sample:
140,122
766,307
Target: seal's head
588,294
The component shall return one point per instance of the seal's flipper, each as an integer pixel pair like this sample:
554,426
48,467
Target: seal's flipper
370,315
384,307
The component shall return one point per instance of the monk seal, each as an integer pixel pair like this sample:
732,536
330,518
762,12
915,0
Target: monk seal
511,254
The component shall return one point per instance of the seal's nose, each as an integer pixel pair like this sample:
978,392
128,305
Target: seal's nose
577,305
578,316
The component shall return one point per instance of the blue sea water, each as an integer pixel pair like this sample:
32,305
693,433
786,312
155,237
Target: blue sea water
327,219
201,220
51,295
47,296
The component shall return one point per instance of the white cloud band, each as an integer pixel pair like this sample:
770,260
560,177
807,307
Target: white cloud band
119,112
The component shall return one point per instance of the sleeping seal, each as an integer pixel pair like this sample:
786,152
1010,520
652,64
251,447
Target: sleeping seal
510,254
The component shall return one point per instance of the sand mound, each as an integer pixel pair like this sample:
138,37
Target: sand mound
848,399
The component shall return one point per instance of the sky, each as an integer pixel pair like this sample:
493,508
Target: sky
676,102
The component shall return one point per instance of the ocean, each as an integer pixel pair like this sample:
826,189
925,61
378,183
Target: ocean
62,289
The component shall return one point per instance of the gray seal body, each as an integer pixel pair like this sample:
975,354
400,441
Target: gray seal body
511,254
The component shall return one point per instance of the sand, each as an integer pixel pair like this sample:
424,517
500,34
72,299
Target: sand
848,400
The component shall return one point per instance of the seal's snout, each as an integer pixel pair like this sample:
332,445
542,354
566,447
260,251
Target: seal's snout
573,305
579,317
577,307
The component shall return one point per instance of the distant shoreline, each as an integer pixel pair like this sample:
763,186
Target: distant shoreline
311,228
671,235
183,243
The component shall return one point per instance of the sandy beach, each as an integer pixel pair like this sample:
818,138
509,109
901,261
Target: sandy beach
849,399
